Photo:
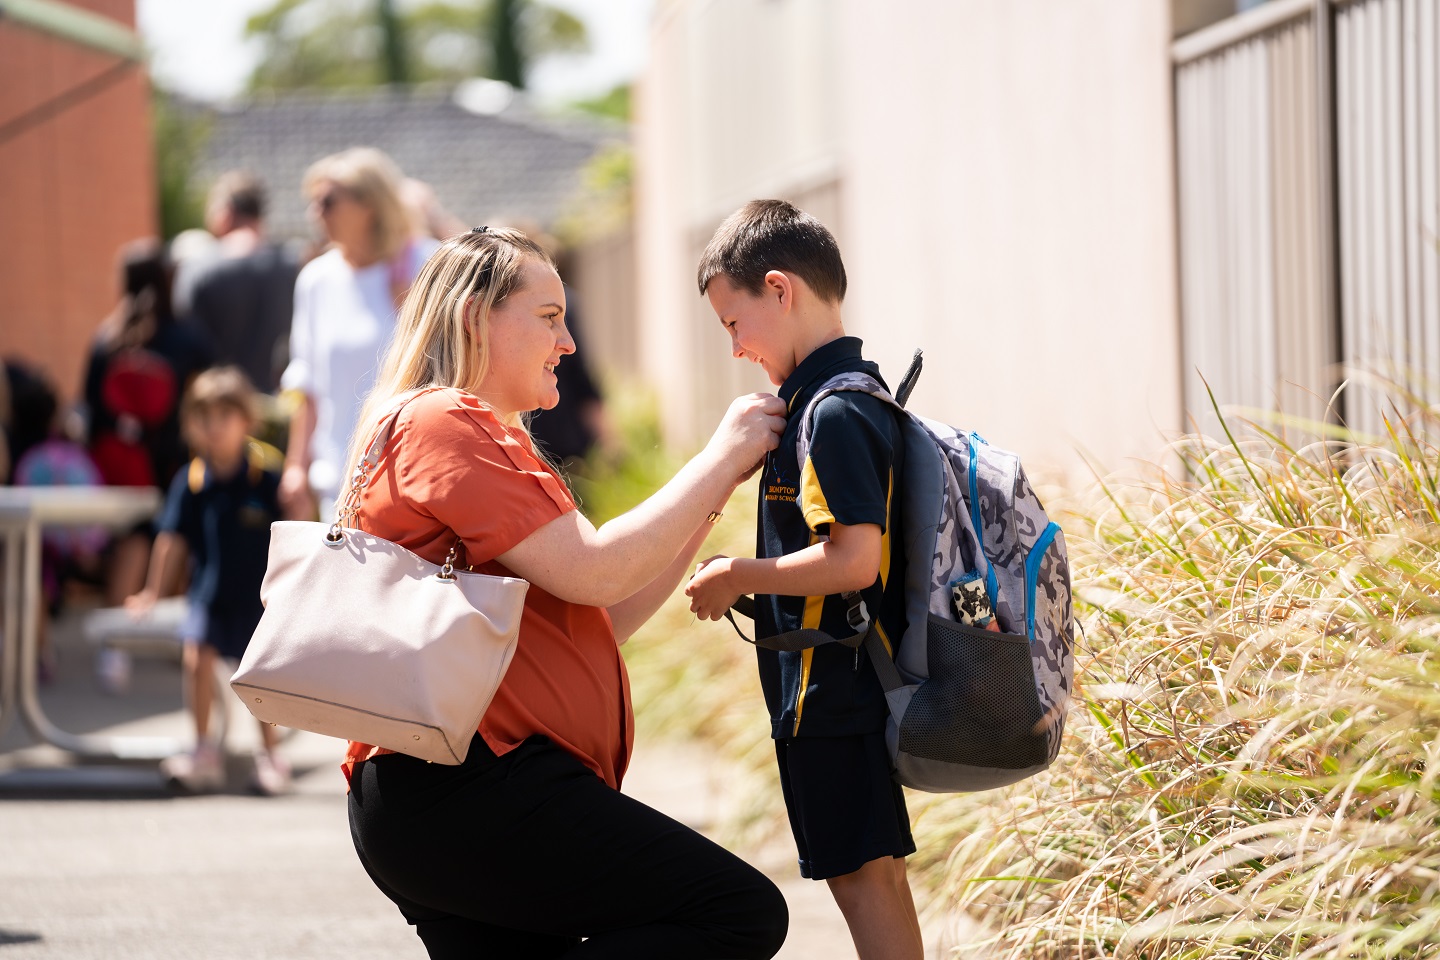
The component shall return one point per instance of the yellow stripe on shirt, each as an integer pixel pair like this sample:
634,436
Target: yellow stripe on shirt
812,499
814,606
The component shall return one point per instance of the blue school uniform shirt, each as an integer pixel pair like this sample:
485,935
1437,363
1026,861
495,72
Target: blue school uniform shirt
225,523
848,478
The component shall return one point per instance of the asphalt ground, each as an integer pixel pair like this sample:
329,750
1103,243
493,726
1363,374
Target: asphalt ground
100,861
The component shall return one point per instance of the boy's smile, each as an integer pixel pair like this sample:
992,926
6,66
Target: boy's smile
756,324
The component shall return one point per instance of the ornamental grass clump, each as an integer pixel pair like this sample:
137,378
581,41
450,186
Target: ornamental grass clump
1250,764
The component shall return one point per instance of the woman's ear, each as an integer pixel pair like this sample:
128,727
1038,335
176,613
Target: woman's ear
471,320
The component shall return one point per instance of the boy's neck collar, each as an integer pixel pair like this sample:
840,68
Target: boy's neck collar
817,362
226,471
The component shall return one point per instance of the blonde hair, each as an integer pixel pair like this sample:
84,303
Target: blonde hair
373,180
433,344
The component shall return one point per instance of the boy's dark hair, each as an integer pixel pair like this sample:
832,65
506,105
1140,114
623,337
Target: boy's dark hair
767,235
220,388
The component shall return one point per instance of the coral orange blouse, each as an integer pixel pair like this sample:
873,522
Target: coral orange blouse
451,468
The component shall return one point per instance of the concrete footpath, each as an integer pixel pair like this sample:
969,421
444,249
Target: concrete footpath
101,862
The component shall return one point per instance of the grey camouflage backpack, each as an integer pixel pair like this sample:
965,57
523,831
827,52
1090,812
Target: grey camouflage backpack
970,709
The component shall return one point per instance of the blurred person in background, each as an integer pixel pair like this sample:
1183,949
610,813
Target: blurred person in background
138,367
242,297
189,251
140,364
7,425
428,217
217,514
46,457
346,301
27,408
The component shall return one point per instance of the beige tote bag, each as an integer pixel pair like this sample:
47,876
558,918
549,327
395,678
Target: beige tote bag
363,640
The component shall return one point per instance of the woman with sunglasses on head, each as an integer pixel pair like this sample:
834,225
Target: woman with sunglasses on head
528,848
345,307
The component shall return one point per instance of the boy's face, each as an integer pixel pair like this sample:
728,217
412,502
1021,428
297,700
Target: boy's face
757,324
219,433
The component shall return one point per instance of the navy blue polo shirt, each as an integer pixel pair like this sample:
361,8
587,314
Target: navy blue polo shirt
225,523
848,478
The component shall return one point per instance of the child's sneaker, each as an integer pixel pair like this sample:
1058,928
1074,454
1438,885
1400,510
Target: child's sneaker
272,774
201,770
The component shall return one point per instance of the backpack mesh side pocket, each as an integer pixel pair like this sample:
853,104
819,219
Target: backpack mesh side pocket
979,706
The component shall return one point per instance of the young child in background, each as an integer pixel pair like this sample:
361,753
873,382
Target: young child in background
218,513
774,277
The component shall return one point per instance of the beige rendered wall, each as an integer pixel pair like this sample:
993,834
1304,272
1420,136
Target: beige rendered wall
739,101
998,173
1009,207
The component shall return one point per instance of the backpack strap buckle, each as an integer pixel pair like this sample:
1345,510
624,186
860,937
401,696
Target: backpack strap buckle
856,613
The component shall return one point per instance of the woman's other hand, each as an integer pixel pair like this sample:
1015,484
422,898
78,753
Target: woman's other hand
750,429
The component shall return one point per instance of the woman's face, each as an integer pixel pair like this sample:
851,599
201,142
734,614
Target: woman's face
528,338
345,219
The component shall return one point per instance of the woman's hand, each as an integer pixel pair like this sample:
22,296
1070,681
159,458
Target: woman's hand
750,429
570,559
710,590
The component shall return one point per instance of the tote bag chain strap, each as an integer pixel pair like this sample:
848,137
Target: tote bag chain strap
349,512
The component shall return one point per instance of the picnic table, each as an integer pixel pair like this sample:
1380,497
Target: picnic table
24,514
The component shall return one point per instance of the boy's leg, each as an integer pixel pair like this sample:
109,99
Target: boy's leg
202,768
199,662
852,829
879,911
230,635
902,881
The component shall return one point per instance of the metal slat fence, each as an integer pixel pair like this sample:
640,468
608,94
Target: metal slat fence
1270,111
1250,234
1386,149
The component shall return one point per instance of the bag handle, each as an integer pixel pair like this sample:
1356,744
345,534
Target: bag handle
350,508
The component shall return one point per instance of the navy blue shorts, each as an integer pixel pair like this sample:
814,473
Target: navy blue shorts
228,633
845,807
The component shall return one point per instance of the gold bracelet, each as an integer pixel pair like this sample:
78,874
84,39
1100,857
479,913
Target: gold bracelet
714,516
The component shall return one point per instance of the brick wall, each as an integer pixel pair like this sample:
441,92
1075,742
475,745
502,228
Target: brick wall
73,189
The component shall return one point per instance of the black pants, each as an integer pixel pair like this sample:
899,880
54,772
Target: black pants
525,855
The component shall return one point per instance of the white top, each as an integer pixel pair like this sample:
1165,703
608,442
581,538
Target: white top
343,322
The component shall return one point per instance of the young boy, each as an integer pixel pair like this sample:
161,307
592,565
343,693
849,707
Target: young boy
774,277
219,512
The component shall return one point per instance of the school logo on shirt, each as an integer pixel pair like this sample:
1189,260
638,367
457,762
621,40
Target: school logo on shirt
778,484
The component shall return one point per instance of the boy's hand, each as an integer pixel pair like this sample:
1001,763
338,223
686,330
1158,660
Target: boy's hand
709,588
139,604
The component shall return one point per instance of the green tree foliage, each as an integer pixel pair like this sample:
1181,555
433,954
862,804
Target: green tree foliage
604,203
180,133
346,43
397,64
614,105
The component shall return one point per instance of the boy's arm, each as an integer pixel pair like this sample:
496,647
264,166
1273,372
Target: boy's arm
166,558
849,560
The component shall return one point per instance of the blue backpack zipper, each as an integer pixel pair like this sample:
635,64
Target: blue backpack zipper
992,585
1032,574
